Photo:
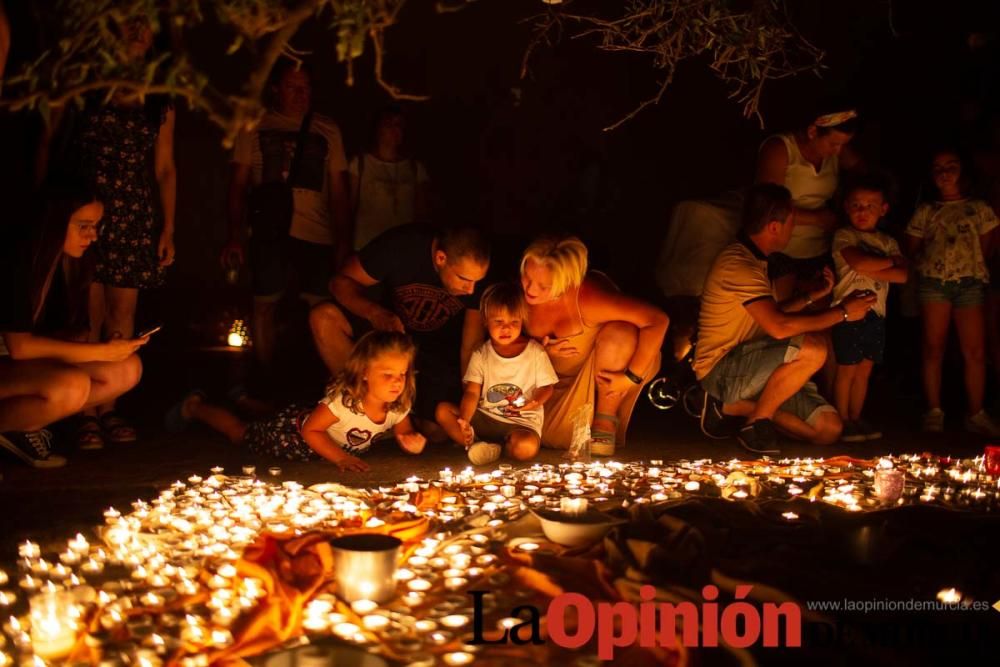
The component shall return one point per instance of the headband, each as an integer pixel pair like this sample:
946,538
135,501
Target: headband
834,119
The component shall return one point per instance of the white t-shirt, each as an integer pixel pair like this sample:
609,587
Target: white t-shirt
387,195
951,232
505,379
849,280
354,432
269,148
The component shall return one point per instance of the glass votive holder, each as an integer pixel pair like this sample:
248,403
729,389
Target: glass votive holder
888,485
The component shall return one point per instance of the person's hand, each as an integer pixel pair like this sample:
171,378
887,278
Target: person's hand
468,435
559,347
165,250
857,305
412,443
826,280
232,253
529,406
349,463
614,383
384,320
120,349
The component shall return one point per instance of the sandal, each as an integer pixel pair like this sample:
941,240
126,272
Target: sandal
118,430
89,435
602,443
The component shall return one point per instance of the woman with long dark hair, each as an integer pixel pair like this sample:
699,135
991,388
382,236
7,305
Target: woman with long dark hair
45,373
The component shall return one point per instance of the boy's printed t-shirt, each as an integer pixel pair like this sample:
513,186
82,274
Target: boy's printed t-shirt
848,280
951,232
352,431
400,259
269,149
505,380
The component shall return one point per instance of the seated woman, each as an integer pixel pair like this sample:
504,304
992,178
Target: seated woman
45,375
603,345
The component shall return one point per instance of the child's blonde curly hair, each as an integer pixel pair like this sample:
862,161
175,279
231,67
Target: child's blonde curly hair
350,383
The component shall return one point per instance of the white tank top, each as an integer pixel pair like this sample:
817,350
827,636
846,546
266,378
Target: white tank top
810,190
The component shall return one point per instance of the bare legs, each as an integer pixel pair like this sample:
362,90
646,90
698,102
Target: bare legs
332,334
36,393
615,345
217,418
969,322
521,445
852,388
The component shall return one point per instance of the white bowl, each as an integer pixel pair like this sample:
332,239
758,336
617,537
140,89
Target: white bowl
576,530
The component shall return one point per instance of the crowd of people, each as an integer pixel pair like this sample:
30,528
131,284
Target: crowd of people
423,345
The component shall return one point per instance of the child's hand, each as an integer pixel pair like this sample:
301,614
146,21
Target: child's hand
351,464
468,435
529,406
412,443
826,286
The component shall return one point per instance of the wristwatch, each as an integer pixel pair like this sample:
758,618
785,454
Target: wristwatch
637,379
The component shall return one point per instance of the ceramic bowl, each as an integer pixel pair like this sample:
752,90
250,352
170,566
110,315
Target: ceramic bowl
575,530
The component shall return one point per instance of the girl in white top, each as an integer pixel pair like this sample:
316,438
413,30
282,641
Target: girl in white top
371,396
808,163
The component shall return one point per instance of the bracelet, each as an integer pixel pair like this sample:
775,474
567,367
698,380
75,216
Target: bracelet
636,379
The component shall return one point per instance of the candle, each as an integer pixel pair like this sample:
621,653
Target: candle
692,486
375,622
888,484
458,658
527,546
362,607
949,596
573,506
455,620
365,566
53,624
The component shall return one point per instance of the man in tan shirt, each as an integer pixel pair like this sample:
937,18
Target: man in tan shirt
755,356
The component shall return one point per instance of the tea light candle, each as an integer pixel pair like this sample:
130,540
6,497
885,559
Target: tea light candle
527,546
455,583
791,516
362,607
375,622
573,506
458,658
455,621
418,585
692,486
949,596
29,550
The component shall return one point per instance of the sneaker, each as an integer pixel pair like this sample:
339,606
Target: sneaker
853,432
870,432
714,423
934,421
32,447
982,424
759,437
482,453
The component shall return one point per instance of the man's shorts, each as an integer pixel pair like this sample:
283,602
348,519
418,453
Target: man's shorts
964,293
291,262
853,342
743,373
493,430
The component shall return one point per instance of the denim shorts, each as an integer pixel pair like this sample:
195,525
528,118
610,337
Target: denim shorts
964,293
743,373
853,342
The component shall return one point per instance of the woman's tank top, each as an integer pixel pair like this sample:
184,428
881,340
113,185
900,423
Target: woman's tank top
810,190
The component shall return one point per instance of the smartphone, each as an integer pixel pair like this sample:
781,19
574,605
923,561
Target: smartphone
149,332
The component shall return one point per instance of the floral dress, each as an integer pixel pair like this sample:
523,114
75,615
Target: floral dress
116,146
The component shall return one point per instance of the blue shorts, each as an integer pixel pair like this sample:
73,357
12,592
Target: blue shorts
743,373
964,293
853,342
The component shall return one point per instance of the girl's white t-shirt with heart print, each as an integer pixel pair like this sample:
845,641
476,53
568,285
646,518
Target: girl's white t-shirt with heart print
355,432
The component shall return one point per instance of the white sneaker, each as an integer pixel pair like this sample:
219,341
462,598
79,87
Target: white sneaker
982,424
934,421
482,453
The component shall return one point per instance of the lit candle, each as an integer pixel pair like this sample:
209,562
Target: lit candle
375,622
53,624
949,596
458,658
691,486
362,607
527,546
455,621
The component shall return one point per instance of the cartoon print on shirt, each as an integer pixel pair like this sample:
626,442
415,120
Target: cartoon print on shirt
505,399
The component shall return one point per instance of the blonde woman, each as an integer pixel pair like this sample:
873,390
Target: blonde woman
603,345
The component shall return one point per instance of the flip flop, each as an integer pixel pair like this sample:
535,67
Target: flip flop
117,430
89,434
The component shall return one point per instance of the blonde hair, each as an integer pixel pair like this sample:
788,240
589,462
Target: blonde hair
505,297
565,257
350,383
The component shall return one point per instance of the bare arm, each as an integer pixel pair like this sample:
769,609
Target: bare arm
889,269
315,435
470,400
166,178
409,440
599,306
27,346
340,215
348,285
781,325
473,335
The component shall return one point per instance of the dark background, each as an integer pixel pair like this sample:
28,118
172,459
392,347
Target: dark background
518,168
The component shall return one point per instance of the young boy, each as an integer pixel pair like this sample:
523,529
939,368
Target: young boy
507,382
866,260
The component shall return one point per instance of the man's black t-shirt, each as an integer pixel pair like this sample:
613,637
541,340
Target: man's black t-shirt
400,259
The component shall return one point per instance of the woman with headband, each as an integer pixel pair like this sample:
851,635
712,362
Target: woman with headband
808,162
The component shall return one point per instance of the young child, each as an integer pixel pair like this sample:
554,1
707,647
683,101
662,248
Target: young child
507,382
866,260
949,238
371,396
